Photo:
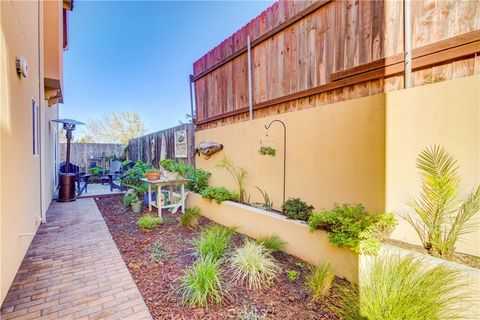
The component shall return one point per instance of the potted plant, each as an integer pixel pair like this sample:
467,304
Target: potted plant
267,151
169,169
136,205
152,174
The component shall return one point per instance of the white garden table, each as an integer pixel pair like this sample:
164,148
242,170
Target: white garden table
170,183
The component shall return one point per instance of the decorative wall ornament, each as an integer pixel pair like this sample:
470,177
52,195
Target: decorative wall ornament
208,148
181,147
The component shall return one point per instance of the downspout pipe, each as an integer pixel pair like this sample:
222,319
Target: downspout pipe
249,61
407,36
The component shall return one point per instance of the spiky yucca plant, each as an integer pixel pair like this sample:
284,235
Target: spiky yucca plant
272,243
441,216
239,175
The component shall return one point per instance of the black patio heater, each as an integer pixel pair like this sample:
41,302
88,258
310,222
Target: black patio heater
66,190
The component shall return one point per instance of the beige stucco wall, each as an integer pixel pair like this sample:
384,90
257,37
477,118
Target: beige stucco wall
26,182
445,113
335,153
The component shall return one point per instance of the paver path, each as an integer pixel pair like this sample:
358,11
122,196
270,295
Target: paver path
73,270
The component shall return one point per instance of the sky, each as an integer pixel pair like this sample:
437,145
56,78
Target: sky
138,55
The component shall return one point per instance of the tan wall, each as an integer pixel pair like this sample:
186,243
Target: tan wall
19,169
446,113
335,153
53,39
26,183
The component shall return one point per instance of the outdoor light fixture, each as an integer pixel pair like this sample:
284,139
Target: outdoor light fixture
66,191
22,66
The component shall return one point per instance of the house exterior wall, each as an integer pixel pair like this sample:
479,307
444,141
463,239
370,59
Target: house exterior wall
358,151
26,180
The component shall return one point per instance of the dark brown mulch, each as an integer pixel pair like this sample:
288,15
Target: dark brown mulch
158,281
465,259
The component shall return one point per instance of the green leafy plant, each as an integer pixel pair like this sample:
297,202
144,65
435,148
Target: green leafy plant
292,275
218,194
301,265
253,265
189,219
239,175
351,226
320,280
201,283
148,222
267,151
266,199
213,241
441,218
396,287
157,251
128,199
168,164
132,177
95,170
199,179
272,243
297,209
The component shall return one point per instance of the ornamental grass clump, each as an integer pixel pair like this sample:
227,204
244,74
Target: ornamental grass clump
189,219
396,287
238,174
272,243
149,222
320,280
353,227
253,265
201,283
213,241
441,217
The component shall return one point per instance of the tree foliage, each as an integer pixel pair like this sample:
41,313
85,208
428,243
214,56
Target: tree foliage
114,128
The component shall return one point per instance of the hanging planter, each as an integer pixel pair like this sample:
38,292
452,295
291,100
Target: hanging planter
267,147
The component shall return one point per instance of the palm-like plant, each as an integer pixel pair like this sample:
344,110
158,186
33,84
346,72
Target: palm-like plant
442,216
239,175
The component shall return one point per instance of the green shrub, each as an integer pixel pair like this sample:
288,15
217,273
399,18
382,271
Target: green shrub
199,179
218,194
238,174
272,243
132,177
189,219
292,275
441,217
201,283
351,226
148,222
253,265
397,287
168,164
128,199
213,241
320,280
95,170
297,209
157,251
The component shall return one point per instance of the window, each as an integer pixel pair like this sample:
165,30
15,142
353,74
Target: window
35,128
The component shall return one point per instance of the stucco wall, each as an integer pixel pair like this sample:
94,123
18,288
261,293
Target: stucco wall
335,153
445,113
19,169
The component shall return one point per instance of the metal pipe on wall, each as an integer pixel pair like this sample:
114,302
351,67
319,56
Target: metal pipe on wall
192,100
250,97
407,37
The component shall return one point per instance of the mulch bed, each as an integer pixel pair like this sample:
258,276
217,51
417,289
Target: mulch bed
158,281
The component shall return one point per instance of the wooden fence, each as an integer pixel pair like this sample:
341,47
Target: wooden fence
81,154
309,53
148,148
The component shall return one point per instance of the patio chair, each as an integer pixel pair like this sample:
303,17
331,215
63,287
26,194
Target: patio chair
114,172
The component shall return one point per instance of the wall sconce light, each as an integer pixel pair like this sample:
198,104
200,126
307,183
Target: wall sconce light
22,66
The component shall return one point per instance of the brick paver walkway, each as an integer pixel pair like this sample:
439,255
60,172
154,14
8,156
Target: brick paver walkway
73,270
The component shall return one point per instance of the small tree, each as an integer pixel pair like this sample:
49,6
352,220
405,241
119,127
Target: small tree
441,216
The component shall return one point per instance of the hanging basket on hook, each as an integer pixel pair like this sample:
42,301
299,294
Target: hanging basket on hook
267,147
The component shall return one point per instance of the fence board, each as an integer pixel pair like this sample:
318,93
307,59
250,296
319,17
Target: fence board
148,148
82,153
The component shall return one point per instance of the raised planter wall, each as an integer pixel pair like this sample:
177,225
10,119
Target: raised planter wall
314,247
